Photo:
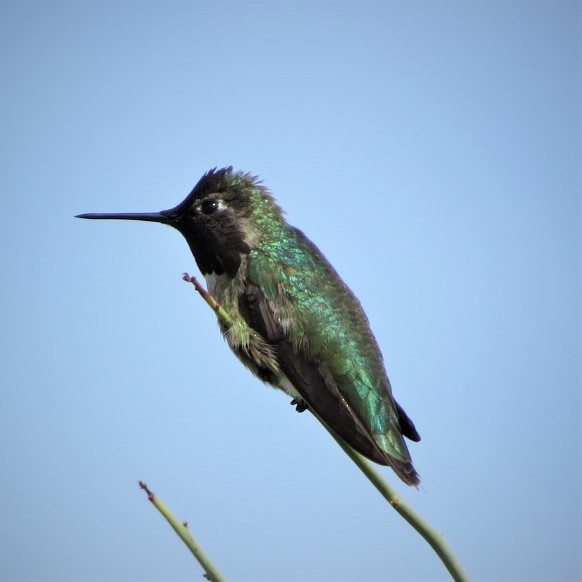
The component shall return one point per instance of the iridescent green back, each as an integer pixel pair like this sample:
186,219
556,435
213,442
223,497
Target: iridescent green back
324,321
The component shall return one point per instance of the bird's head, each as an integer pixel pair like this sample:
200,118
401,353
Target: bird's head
222,218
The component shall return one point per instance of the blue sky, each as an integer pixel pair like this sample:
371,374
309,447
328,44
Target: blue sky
430,149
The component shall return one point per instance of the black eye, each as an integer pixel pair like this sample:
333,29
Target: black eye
209,206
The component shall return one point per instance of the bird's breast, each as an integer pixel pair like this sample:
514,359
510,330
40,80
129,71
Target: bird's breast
211,282
223,288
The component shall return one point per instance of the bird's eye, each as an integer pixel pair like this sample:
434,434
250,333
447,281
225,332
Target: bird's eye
210,206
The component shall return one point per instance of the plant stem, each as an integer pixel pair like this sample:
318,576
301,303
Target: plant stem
221,313
434,538
211,572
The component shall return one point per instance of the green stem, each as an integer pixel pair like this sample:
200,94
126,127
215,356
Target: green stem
221,313
435,539
211,573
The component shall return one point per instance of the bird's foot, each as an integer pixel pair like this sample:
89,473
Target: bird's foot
300,405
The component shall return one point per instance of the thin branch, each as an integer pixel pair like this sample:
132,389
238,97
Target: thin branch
435,539
211,572
214,305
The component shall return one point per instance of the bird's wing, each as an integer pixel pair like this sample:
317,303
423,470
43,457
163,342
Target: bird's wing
316,384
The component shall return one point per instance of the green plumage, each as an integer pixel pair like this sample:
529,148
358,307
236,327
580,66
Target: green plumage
326,321
322,319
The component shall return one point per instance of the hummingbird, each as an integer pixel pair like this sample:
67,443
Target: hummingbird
295,324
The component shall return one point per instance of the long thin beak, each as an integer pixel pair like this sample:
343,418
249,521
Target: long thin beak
165,217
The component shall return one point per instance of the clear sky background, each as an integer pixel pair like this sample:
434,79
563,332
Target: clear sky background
430,149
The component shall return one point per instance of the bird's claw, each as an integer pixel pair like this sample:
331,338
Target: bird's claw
300,405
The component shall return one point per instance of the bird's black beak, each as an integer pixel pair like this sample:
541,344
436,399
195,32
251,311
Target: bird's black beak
169,217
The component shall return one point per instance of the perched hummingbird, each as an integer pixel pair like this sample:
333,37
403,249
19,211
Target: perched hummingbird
297,326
